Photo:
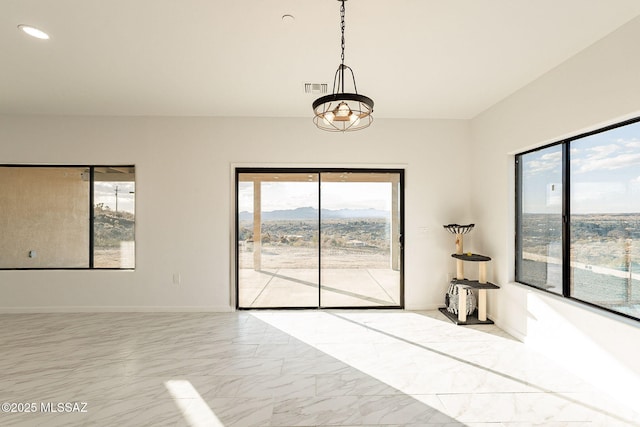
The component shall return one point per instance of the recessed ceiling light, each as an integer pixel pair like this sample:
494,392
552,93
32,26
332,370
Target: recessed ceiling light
34,32
288,19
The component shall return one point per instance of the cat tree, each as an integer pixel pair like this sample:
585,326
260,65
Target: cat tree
460,299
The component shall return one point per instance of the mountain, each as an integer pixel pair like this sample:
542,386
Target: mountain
309,213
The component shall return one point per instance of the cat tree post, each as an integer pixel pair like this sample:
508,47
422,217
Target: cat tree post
462,303
482,293
459,262
462,290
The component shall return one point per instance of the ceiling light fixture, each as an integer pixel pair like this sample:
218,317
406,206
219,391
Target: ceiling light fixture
34,32
342,111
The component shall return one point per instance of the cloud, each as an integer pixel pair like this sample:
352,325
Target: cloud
104,192
610,163
552,157
602,151
622,154
632,144
546,162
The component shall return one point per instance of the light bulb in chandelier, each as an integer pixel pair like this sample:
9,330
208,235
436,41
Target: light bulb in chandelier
343,110
328,117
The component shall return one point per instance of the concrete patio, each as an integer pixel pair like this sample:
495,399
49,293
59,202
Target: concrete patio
298,287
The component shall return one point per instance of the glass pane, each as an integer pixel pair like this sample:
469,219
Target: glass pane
539,233
278,256
114,217
44,217
360,225
605,219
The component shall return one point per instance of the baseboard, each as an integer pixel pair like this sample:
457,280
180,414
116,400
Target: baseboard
427,307
511,331
116,309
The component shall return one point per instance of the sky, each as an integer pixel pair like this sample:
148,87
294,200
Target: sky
605,174
105,192
335,195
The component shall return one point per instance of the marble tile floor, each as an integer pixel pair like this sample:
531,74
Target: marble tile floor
285,368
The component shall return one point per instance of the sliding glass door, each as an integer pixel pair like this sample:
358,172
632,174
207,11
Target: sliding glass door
309,238
360,239
278,252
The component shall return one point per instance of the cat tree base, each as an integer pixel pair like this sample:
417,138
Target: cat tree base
472,319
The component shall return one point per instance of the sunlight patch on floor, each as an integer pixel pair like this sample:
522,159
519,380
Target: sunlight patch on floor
195,410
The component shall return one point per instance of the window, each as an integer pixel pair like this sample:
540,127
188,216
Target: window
114,217
539,243
582,239
67,217
321,238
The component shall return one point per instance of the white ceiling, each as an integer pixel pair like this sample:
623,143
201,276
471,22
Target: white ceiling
415,58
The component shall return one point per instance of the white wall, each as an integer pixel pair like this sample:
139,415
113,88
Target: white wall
184,197
599,86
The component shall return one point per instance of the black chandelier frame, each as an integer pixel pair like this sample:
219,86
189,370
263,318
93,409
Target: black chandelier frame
343,111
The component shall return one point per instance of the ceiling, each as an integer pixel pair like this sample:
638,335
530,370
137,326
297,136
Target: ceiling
415,58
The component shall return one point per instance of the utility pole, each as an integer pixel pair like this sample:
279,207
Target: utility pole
116,198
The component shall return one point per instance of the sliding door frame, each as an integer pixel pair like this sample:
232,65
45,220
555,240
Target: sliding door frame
319,171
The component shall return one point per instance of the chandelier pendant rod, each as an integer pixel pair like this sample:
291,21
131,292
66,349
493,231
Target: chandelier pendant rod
342,43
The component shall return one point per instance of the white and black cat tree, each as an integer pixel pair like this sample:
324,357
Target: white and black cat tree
461,298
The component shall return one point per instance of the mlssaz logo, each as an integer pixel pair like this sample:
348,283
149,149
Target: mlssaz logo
65,407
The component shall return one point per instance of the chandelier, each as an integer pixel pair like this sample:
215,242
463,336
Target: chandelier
342,111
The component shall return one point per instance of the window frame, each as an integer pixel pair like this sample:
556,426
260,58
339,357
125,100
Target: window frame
319,170
518,209
91,218
566,214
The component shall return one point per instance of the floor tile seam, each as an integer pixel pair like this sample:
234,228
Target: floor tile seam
182,374
477,393
364,395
